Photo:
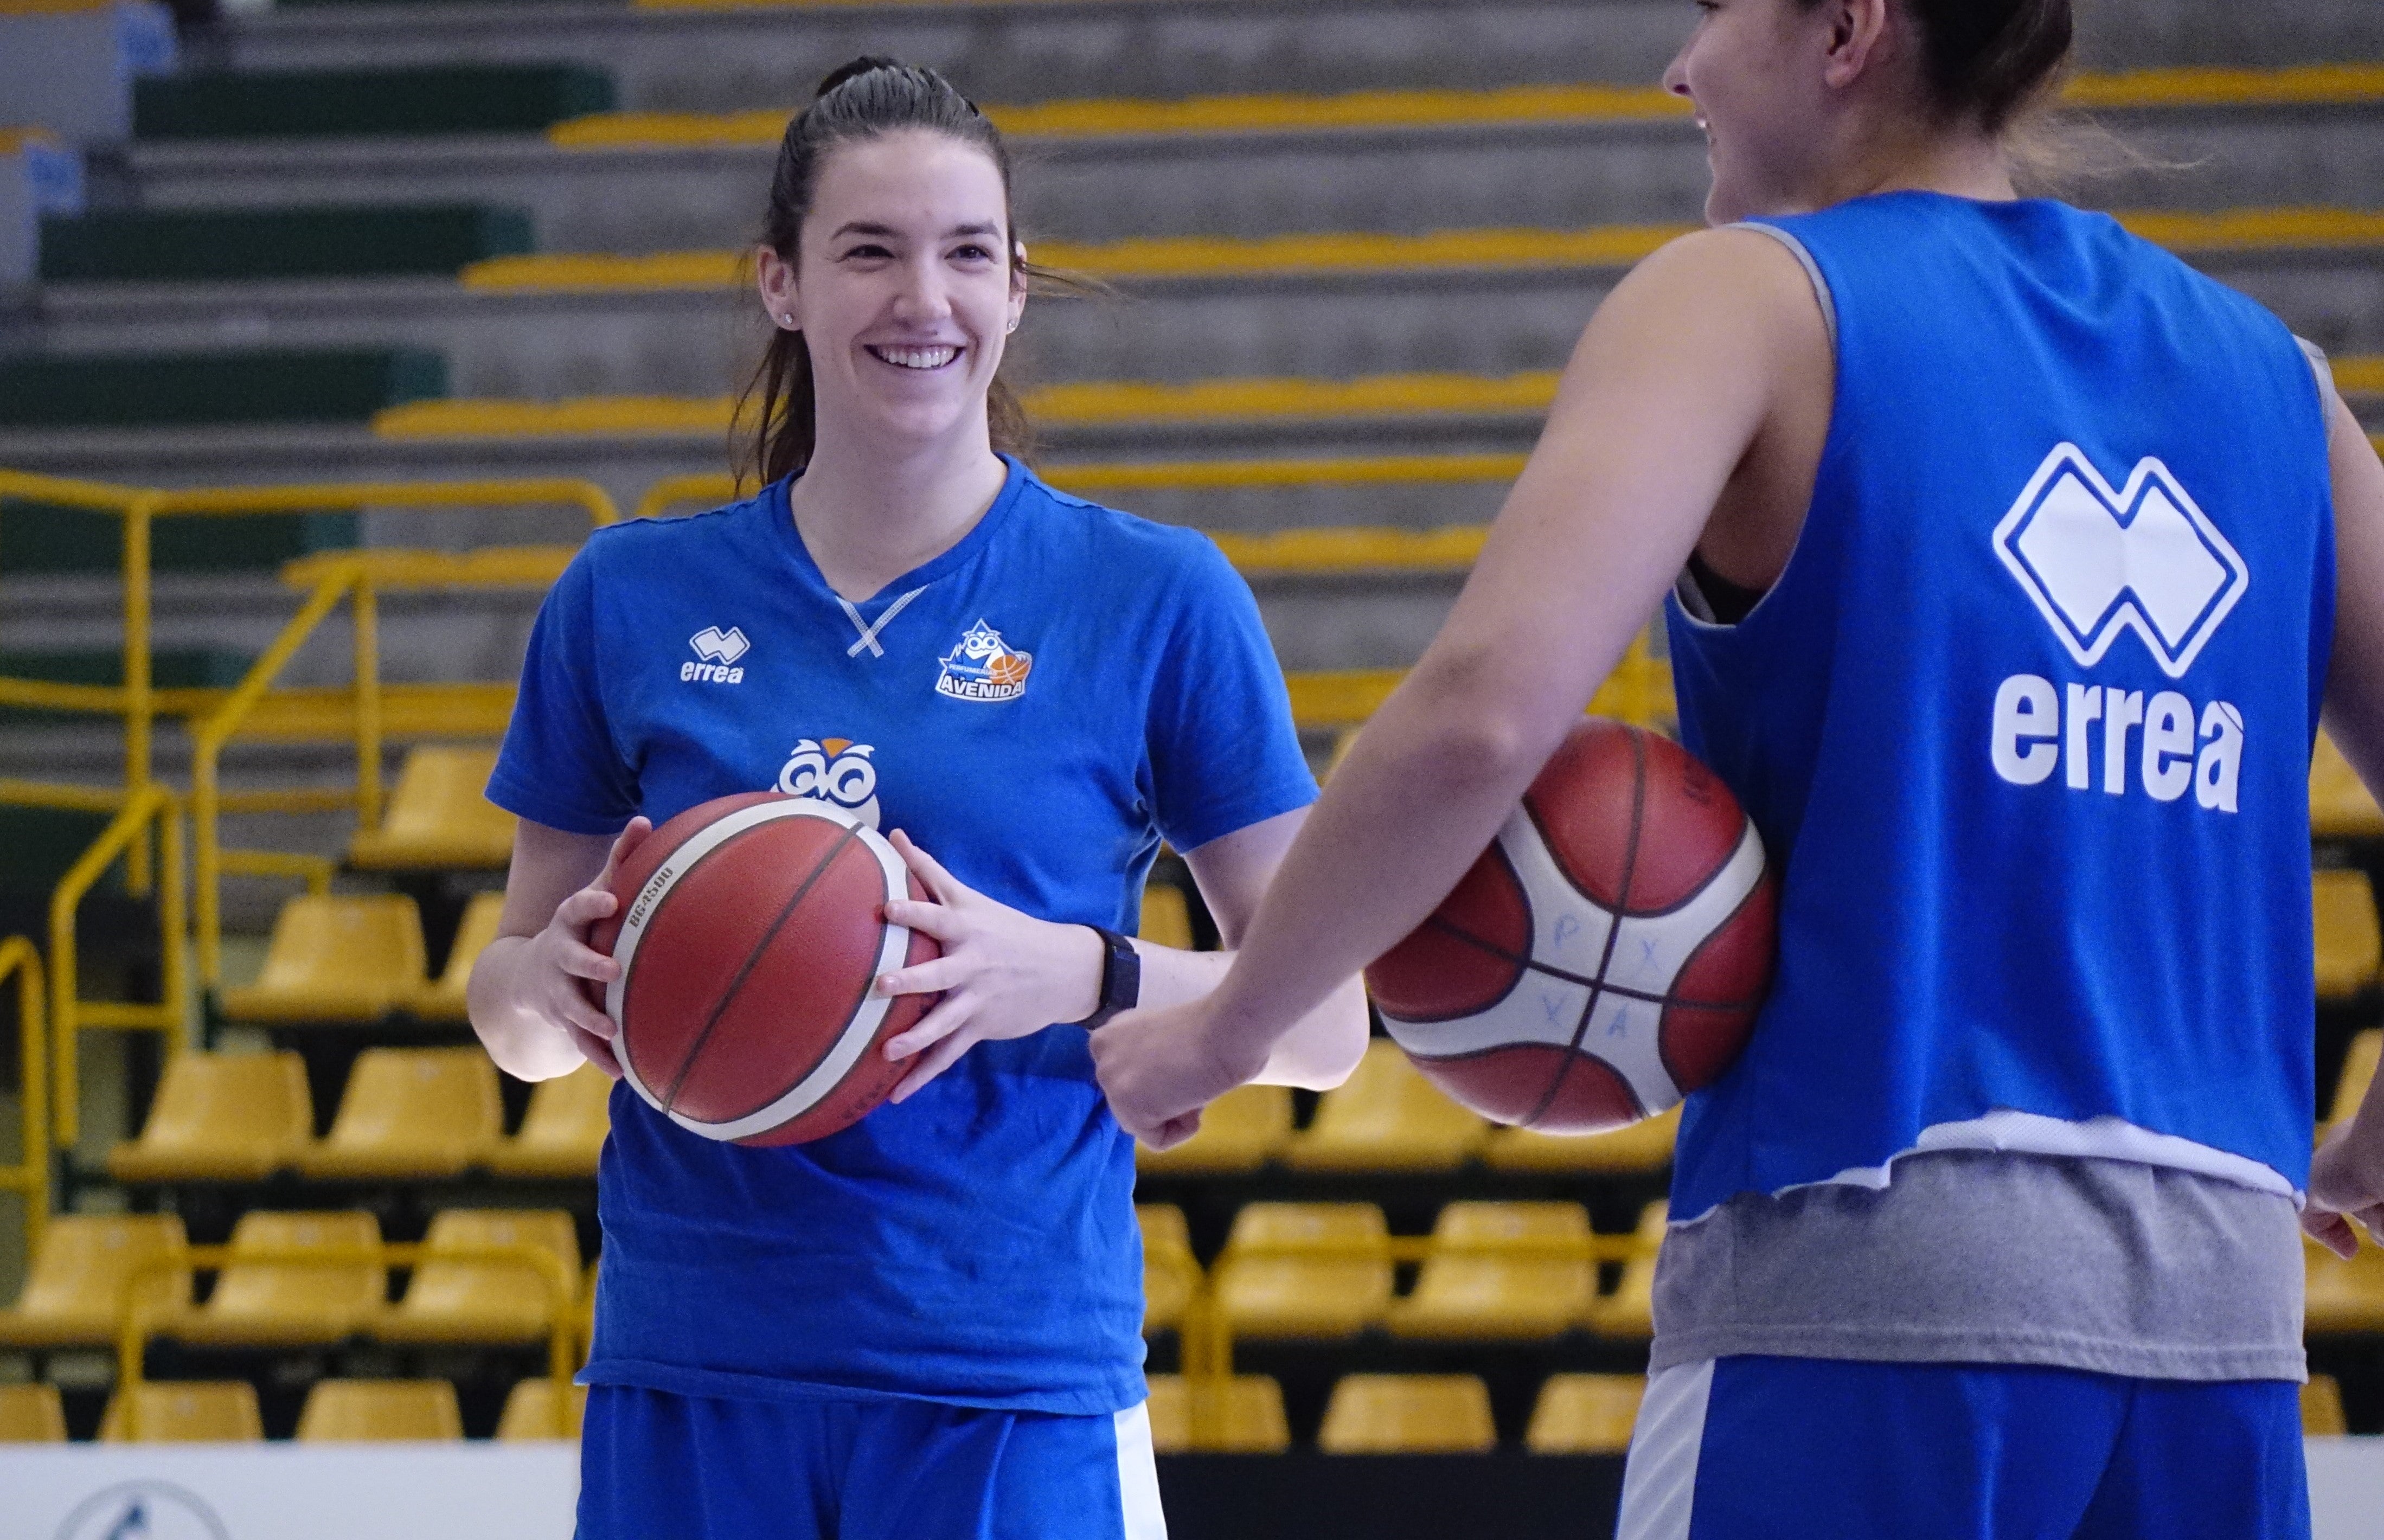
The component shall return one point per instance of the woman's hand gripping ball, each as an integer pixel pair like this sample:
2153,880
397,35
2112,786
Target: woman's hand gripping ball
566,976
1003,974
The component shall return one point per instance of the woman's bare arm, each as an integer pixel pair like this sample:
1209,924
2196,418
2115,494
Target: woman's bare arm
2348,1175
1671,386
526,998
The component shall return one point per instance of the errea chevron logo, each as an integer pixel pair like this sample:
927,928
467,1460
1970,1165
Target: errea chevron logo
714,645
719,650
2097,561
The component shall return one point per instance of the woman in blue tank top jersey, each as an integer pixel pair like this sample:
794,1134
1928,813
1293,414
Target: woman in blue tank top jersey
928,1324
2008,566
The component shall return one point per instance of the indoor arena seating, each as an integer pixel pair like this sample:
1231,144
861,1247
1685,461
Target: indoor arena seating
1357,241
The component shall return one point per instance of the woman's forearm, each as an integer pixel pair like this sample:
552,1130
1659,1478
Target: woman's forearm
1316,1054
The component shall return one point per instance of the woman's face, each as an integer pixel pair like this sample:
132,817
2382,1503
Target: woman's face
1754,70
904,289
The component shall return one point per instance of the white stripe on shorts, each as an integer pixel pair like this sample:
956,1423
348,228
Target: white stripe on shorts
1660,1484
1138,1516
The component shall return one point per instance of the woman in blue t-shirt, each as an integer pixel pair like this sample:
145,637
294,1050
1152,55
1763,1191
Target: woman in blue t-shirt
930,1321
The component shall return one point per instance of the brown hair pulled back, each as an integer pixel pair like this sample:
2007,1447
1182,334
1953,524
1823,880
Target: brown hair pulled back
1988,61
867,98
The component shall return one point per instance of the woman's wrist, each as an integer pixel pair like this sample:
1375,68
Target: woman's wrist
1082,962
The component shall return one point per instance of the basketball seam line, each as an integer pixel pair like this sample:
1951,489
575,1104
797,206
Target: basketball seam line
1531,965
753,961
1613,935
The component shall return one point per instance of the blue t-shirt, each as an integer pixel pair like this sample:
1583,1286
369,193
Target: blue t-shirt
1038,707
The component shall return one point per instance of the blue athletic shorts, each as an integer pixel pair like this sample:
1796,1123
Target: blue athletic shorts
655,1466
1749,1448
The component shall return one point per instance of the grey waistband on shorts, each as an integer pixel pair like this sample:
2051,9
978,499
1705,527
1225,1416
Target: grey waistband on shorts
1984,1256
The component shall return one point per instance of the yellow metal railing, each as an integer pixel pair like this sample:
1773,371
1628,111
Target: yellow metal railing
128,833
32,1176
1184,475
141,1324
136,700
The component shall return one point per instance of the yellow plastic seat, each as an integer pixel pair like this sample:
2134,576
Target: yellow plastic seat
1239,1132
2344,1296
1630,1310
2341,807
221,1117
1317,1270
564,1130
1398,1415
32,1414
269,1294
1387,1117
84,1276
185,1411
1645,1146
336,958
1166,916
1170,1272
2358,1073
1241,1416
468,1300
2349,947
437,817
529,1412
442,1000
2322,1408
380,1412
1502,1272
411,1112
1585,1414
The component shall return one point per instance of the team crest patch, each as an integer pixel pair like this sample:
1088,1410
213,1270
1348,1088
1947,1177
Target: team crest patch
984,668
834,770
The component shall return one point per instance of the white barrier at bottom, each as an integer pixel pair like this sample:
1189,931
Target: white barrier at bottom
528,1492
2346,1478
289,1491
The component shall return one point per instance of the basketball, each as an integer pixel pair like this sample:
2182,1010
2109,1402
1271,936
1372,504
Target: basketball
749,931
1605,957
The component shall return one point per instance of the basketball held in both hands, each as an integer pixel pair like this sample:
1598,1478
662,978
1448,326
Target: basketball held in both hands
1606,955
749,931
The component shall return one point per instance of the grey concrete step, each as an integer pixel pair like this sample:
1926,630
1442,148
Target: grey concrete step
696,342
1551,175
626,467
1036,50
763,58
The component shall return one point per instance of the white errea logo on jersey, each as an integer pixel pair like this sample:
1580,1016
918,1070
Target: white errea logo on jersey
2097,562
719,650
2039,729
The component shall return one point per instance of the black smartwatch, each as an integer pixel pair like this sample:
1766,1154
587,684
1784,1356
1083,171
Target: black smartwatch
1121,978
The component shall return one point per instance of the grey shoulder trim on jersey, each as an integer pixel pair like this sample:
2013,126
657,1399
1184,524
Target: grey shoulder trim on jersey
2319,361
1812,270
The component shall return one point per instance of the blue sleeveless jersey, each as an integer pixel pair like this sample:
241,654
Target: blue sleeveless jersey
2028,717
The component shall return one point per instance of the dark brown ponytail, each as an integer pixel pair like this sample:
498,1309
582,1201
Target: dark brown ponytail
1991,60
866,98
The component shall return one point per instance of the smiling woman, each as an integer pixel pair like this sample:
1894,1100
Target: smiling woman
929,1320
881,259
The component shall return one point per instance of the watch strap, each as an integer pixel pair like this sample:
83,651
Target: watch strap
1121,978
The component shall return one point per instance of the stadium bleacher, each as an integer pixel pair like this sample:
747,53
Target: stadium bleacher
464,278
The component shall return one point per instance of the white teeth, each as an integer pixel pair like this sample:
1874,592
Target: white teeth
917,358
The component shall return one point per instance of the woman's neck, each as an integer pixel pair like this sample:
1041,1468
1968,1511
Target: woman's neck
1959,165
869,513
